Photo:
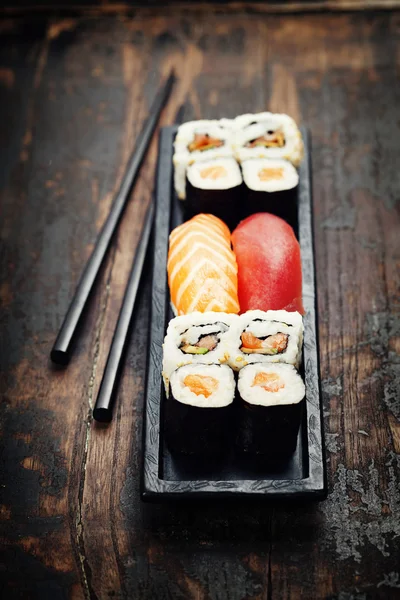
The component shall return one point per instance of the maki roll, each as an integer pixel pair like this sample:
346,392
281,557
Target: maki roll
197,338
271,186
198,413
214,186
189,133
274,336
227,123
268,135
269,409
198,141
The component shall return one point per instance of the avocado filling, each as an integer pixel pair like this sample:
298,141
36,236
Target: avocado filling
206,343
188,349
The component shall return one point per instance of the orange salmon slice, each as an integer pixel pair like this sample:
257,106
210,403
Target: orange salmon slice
251,341
271,382
201,384
213,173
202,269
202,141
269,173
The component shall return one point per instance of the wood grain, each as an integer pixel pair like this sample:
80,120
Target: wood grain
116,7
73,95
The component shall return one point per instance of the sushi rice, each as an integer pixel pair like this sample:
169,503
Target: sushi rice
286,347
283,385
215,174
249,128
183,157
220,376
187,130
188,330
227,123
269,175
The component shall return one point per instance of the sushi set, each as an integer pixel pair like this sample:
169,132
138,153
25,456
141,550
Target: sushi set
232,403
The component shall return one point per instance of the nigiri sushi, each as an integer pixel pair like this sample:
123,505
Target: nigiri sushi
269,264
202,269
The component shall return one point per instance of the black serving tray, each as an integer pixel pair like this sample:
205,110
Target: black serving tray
172,477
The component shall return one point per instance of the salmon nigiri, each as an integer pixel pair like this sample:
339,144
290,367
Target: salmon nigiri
202,269
269,261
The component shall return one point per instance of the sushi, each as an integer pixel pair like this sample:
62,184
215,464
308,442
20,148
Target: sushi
214,186
196,338
269,264
265,337
227,123
201,135
221,167
198,413
202,269
269,410
198,141
267,135
271,186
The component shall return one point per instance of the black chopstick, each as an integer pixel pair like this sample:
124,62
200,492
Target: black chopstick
62,349
103,408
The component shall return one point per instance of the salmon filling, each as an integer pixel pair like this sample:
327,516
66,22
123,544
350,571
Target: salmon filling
271,139
213,173
272,344
206,343
269,174
270,382
203,141
201,384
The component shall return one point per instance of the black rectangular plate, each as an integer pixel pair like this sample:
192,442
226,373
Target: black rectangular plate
167,477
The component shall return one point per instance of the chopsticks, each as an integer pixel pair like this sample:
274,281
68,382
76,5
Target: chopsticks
102,411
103,408
62,349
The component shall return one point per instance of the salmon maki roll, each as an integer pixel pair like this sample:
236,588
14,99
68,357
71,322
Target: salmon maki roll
199,413
202,269
269,410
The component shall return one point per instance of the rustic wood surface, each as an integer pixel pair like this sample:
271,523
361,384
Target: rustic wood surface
127,7
73,95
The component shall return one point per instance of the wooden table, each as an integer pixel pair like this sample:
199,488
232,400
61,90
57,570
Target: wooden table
73,94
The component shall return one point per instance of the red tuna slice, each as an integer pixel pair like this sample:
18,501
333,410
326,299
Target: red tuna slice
269,264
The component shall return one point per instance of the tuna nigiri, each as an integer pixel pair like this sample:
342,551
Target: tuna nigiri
202,269
269,264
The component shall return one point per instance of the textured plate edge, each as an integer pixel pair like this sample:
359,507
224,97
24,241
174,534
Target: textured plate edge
312,374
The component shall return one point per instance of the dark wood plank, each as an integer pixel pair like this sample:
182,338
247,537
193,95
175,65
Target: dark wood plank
116,7
355,194
35,466
74,93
